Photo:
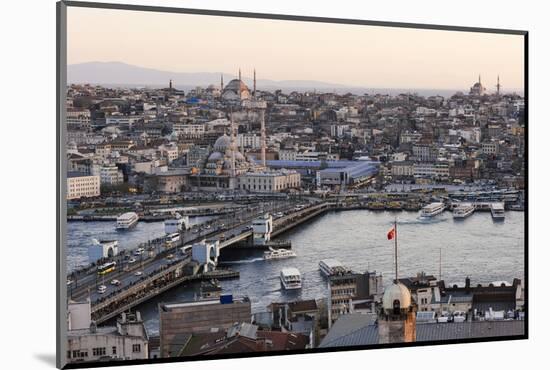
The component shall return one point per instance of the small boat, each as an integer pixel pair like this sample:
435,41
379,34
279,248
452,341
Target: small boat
276,254
497,211
330,267
432,209
291,278
463,210
127,220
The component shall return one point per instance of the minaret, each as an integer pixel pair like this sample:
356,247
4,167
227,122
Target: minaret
479,79
240,75
221,81
262,133
170,85
254,82
233,147
498,85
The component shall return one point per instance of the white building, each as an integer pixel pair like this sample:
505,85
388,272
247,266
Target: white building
128,340
80,118
251,141
82,186
189,130
110,175
269,182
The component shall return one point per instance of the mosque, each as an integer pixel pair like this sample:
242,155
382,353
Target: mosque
478,89
226,167
236,90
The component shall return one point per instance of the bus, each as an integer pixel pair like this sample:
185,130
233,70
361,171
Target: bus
106,268
172,240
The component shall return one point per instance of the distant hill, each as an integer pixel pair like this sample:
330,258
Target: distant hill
122,74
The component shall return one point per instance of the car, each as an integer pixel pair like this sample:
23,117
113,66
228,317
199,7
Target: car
101,289
139,251
69,282
132,260
138,273
170,256
115,282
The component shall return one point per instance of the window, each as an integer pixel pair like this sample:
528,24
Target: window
114,350
99,351
136,348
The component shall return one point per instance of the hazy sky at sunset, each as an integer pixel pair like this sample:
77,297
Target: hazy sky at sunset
354,55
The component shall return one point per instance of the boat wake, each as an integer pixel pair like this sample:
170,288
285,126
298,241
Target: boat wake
237,262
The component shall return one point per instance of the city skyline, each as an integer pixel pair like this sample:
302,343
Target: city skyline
359,56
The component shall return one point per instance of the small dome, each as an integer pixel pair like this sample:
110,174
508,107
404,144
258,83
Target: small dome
222,143
397,292
215,156
239,157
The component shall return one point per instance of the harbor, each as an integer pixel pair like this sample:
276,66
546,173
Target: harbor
357,239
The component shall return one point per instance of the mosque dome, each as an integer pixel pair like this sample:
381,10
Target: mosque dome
222,143
236,86
215,156
396,293
239,157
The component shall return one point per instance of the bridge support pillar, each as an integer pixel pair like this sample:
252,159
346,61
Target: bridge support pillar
261,230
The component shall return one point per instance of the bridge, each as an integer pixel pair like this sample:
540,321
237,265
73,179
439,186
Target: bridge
158,269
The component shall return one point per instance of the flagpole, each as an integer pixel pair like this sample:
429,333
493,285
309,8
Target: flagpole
395,228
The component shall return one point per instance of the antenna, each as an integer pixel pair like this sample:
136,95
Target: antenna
395,228
440,264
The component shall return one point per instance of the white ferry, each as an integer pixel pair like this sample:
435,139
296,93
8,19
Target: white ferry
432,209
330,267
127,220
463,210
497,211
291,278
176,224
276,254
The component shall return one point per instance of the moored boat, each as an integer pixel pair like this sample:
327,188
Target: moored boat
463,210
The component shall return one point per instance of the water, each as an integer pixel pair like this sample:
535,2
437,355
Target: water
476,247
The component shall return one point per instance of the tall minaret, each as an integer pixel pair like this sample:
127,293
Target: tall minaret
262,133
221,81
170,85
233,147
498,85
479,79
240,75
254,82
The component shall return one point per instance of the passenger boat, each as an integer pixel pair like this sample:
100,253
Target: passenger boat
497,211
175,225
432,209
330,267
127,220
291,278
276,254
463,210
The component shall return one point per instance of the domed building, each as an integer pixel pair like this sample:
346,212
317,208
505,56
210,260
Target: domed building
236,90
397,317
478,88
222,166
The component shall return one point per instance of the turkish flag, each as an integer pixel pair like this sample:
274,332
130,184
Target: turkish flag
391,233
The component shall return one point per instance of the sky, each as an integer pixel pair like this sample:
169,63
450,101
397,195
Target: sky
352,55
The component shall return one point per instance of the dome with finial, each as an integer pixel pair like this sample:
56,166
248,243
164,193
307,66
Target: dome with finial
396,294
222,143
